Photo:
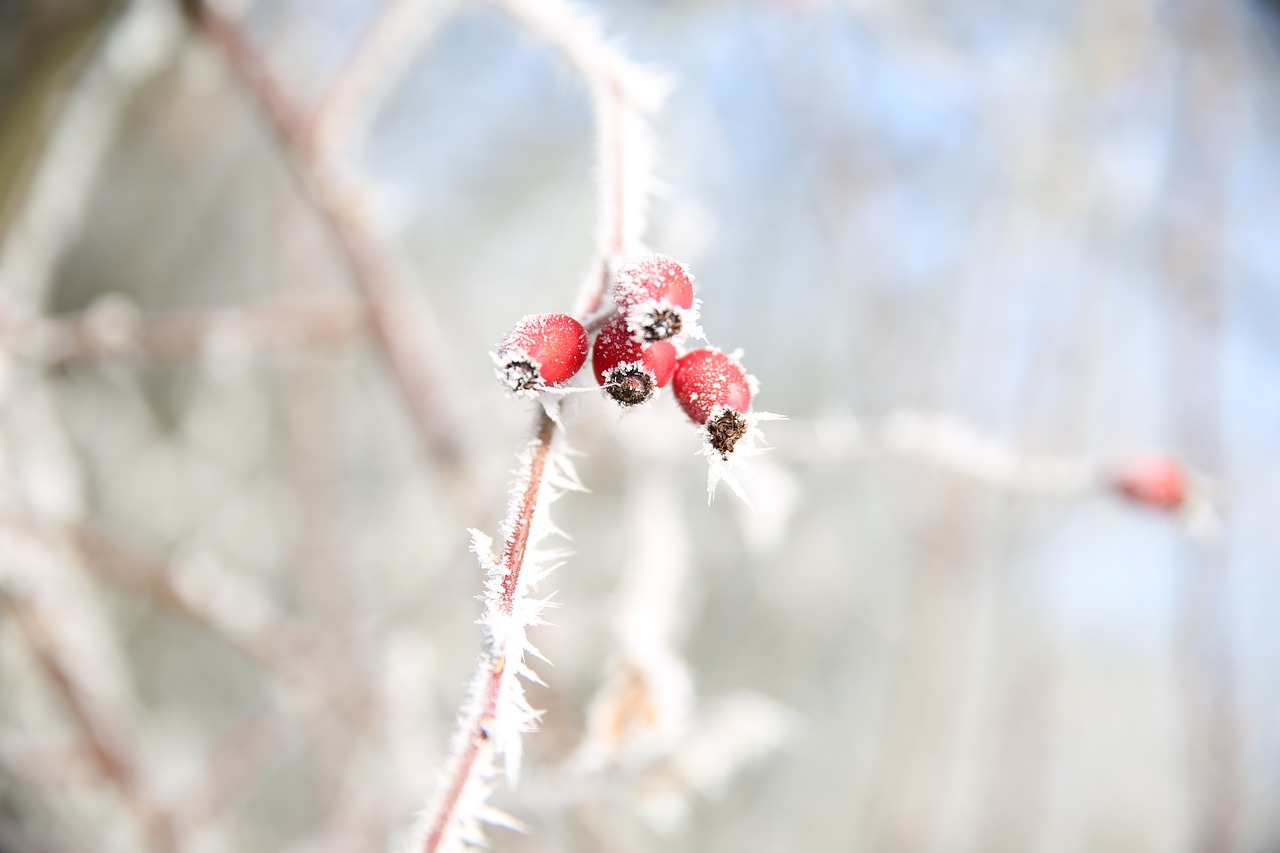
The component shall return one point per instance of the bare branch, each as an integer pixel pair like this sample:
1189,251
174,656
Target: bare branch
234,611
281,327
370,75
399,316
104,737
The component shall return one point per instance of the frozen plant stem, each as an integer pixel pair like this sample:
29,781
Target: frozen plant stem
474,739
621,93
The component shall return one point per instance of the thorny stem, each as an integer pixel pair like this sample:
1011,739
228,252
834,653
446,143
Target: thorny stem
611,106
614,104
394,313
519,521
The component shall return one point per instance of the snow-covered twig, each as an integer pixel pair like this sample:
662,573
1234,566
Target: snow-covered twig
496,713
622,93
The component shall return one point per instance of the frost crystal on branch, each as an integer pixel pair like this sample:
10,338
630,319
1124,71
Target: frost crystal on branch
497,712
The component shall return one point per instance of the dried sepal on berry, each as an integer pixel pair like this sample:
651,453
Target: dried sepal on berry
655,295
721,464
631,372
540,352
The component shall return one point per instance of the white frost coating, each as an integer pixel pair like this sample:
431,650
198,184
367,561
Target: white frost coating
641,316
621,93
634,282
611,378
506,646
582,41
626,177
721,469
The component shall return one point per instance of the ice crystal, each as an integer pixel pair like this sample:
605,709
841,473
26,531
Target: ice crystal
631,383
659,320
749,441
497,712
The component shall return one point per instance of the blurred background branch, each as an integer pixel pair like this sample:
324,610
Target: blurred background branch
246,411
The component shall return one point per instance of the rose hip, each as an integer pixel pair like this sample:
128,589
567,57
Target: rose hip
541,350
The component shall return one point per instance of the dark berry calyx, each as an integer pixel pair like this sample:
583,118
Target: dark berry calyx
520,373
724,430
661,324
630,384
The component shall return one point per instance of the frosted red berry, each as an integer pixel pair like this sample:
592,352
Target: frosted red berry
540,351
656,296
714,391
654,277
707,378
1158,481
631,372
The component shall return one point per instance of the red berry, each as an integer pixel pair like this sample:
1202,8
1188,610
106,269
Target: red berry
630,371
1157,482
655,293
655,277
713,390
541,350
707,378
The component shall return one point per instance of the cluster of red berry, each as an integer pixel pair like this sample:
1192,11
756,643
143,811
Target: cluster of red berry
635,352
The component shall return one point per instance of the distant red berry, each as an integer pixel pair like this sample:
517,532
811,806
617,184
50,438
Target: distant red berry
541,350
1159,482
630,371
655,294
714,391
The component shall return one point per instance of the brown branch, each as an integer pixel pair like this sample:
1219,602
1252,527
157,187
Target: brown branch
268,636
280,327
397,315
103,737
236,761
